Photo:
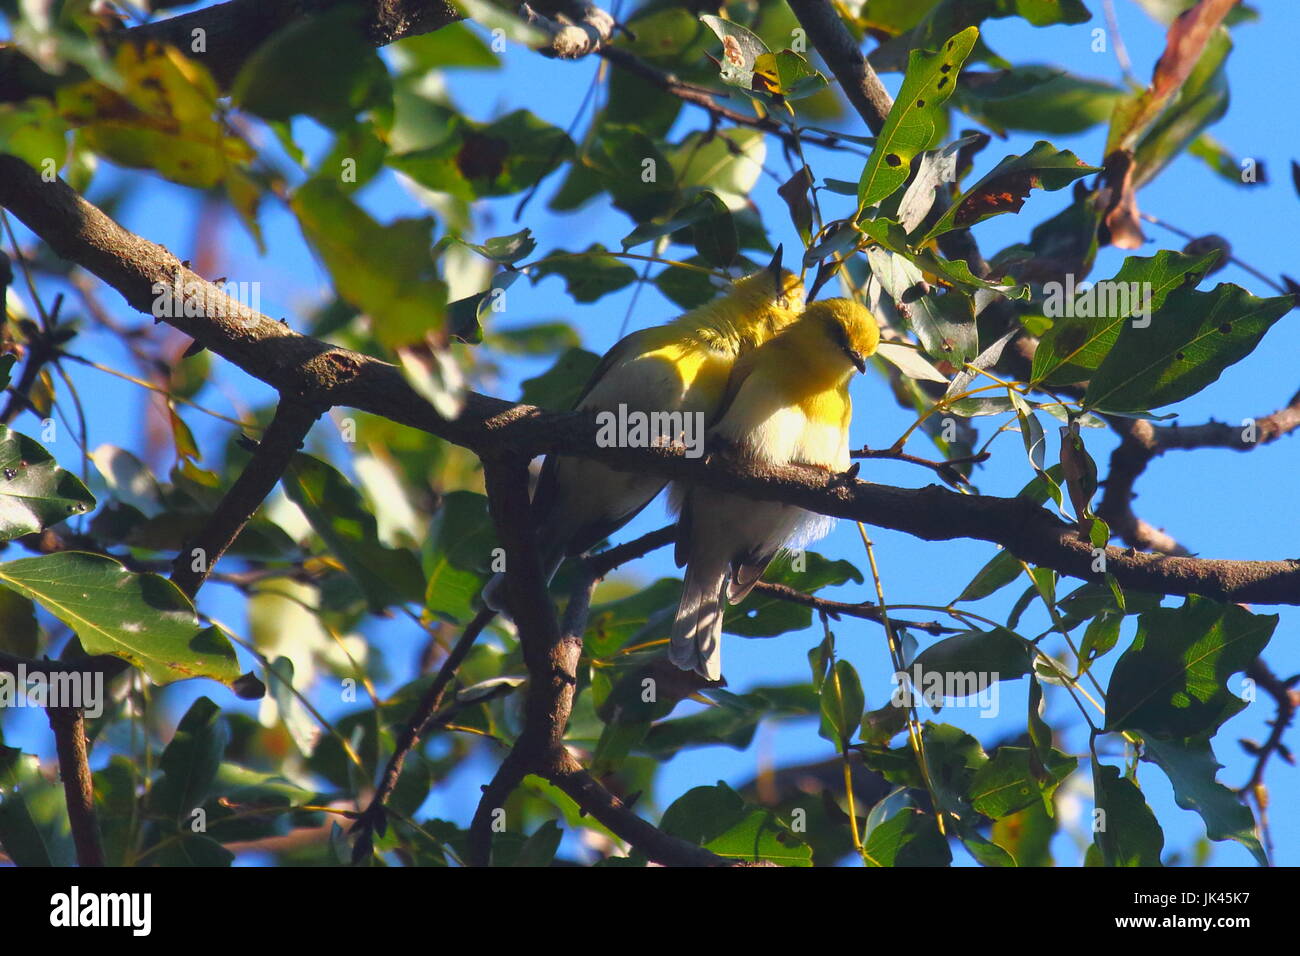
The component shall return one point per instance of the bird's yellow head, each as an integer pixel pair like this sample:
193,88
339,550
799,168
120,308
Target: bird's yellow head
770,300
839,334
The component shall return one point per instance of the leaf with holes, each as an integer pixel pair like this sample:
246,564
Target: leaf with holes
1172,681
916,117
1086,326
141,618
1185,347
1006,187
740,50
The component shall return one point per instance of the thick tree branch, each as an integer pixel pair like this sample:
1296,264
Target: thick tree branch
318,372
841,52
229,33
69,726
551,653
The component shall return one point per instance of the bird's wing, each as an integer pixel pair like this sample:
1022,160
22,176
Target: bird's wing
743,368
682,547
629,346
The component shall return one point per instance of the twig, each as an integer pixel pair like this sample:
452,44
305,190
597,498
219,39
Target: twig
947,469
836,609
1142,441
704,98
69,726
1271,283
374,817
283,437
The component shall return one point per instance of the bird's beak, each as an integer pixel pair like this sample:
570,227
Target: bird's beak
774,267
858,361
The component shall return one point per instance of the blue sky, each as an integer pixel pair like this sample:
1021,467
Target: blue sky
1217,503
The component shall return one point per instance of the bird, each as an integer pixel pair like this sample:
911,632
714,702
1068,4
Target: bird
681,366
787,403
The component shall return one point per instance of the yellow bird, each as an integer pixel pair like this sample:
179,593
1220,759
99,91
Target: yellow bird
787,403
680,367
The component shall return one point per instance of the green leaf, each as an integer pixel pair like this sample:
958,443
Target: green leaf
537,338
322,66
337,513
985,851
456,552
1036,97
387,271
913,123
945,324
1191,767
455,45
842,704
718,819
1126,832
559,386
539,849
976,658
1085,329
34,132
189,763
1185,347
21,835
34,491
908,838
499,158
1099,638
142,618
787,74
1001,570
714,233
1008,784
1005,188
765,615
19,633
588,276
1171,682
1201,102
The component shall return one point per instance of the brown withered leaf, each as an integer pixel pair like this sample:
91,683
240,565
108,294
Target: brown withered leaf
1184,44
1007,194
1121,222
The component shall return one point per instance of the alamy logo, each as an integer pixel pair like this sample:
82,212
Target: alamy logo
934,687
635,429
1065,300
179,299
18,688
74,908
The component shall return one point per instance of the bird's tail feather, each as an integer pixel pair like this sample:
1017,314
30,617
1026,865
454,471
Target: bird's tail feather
697,630
494,592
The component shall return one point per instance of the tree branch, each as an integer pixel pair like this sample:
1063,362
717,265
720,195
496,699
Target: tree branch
1142,441
374,817
283,437
69,726
840,51
316,371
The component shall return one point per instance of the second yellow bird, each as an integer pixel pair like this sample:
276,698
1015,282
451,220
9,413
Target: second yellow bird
787,403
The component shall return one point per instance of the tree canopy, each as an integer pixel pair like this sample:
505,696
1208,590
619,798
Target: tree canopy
311,559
